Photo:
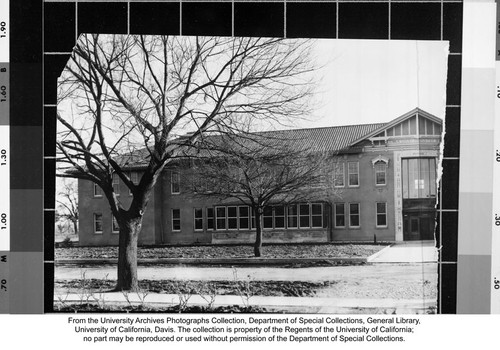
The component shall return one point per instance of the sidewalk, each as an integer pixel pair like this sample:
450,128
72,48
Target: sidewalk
407,252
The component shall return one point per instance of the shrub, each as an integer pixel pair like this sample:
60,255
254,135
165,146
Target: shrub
66,243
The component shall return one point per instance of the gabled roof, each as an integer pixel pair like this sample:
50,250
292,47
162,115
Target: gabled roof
398,120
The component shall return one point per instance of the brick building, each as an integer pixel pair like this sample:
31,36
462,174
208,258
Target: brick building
385,178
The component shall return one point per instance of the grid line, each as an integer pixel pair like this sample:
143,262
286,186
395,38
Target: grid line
338,3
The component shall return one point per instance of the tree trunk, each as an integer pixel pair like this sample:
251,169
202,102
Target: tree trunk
75,227
257,248
127,255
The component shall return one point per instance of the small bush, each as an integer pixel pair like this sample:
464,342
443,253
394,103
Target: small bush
66,243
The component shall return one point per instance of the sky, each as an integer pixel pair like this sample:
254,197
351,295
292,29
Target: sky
373,81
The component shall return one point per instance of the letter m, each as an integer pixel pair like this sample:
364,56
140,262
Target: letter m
4,258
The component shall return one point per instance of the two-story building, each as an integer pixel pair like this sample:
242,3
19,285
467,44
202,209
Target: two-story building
385,183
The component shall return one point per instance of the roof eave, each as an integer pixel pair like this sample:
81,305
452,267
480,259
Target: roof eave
396,121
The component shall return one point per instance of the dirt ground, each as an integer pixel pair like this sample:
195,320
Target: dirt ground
283,251
393,281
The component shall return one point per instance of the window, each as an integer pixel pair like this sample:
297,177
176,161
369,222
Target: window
353,170
210,218
300,215
316,215
243,218
279,216
292,216
339,214
304,218
419,177
134,177
198,219
274,217
97,190
232,218
268,217
98,224
175,182
339,175
354,214
116,184
176,219
220,220
253,219
114,224
380,173
382,214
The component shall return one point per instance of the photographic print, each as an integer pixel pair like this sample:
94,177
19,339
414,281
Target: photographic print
319,169
218,174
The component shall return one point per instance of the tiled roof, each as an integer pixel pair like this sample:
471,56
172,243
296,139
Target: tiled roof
325,139
330,139
136,159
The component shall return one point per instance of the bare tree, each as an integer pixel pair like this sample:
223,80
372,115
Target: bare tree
122,94
261,169
67,204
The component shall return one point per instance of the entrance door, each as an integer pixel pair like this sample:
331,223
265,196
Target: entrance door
418,227
411,228
427,225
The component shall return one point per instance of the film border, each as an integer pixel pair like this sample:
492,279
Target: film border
64,20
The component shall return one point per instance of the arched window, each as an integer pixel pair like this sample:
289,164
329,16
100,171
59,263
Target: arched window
380,173
380,166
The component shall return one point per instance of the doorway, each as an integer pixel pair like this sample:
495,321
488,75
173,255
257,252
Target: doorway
418,226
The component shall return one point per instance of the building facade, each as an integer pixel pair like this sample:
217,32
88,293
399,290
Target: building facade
383,176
